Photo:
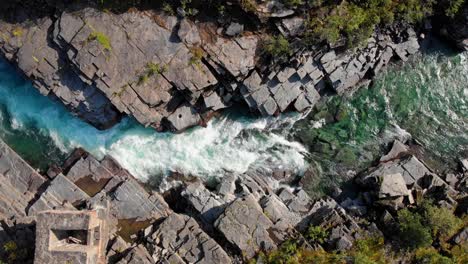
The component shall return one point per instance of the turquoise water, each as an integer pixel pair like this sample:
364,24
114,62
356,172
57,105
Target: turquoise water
426,100
43,131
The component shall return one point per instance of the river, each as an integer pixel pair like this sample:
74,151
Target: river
425,99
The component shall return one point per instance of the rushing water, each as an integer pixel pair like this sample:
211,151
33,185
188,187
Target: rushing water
426,99
43,131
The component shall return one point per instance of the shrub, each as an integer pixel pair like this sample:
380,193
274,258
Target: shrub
430,256
442,222
289,252
369,250
277,47
452,7
412,231
459,253
317,234
167,8
248,5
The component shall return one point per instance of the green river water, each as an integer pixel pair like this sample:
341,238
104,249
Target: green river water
426,100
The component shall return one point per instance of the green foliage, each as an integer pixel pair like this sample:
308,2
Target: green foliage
167,8
289,252
442,222
248,5
152,69
317,234
197,56
452,7
10,246
430,255
414,11
277,47
413,233
355,21
102,39
369,250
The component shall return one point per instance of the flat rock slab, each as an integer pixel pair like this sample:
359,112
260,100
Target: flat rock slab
245,226
181,235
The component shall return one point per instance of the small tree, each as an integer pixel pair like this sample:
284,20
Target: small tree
277,47
412,231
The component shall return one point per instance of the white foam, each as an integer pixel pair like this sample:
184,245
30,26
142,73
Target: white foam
228,143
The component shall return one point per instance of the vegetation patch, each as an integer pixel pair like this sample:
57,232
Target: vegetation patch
102,39
152,69
17,32
277,47
197,56
248,5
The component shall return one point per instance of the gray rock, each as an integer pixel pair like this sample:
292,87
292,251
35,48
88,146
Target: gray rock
234,29
18,183
291,26
60,192
461,237
236,55
137,255
188,33
278,213
245,226
181,235
207,204
214,102
130,201
398,148
184,117
392,185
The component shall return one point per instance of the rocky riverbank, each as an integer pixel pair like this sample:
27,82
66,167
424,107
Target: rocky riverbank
229,221
172,72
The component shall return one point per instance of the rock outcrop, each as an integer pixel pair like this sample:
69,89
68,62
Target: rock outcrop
243,215
172,73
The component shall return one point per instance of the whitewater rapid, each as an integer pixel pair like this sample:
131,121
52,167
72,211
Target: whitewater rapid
228,143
